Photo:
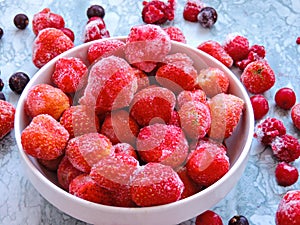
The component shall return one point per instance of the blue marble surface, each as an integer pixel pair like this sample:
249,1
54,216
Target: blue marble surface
272,23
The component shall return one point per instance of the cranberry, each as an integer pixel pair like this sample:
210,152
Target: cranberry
238,220
286,174
21,21
1,32
298,40
18,81
285,98
207,17
69,33
2,96
260,106
208,218
1,84
95,10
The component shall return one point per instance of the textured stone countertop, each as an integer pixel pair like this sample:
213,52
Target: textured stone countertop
272,23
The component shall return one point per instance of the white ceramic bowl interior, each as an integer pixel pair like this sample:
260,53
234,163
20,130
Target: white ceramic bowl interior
45,182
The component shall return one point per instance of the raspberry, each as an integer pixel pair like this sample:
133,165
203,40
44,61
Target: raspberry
286,148
226,111
285,98
217,51
46,19
44,138
288,211
192,9
286,174
88,149
186,96
258,77
46,99
155,184
237,46
208,217
52,164
190,187
162,143
69,74
212,81
260,106
95,29
49,43
259,50
7,116
125,148
268,129
154,12
175,34
295,115
256,52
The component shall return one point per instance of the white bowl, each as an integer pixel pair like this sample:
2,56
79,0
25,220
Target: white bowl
46,183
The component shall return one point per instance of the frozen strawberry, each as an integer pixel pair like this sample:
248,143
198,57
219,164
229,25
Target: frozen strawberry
209,217
295,115
288,211
195,119
190,187
119,126
44,138
83,186
286,174
142,79
154,12
175,34
46,19
125,148
237,46
104,48
122,198
79,120
268,129
258,77
286,148
115,171
192,9
178,58
66,172
162,143
87,150
69,74
146,45
217,51
95,29
49,43
207,163
152,104
155,184
7,116
52,164
175,119
212,81
46,99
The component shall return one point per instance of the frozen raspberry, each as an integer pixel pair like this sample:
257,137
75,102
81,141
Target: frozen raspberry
152,104
162,143
260,106
237,46
208,218
154,12
286,174
295,115
288,211
49,43
44,138
268,129
207,163
66,172
69,33
256,52
192,9
105,48
286,148
258,77
207,17
125,148
155,184
95,29
175,119
52,164
190,187
238,220
285,98
69,74
178,58
212,81
146,45
175,34
142,79
195,119
7,116
226,111
46,99
186,96
119,126
46,19
259,50
88,149
217,51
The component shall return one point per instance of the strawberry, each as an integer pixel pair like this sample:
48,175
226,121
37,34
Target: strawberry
122,197
237,46
52,164
175,119
192,9
7,116
142,79
286,174
155,184
125,148
258,77
190,187
178,58
186,96
175,34
295,115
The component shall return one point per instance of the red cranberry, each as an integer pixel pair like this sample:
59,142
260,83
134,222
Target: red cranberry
2,96
238,220
95,10
1,84
207,17
21,21
1,32
286,174
260,106
208,218
18,81
298,41
285,98
69,33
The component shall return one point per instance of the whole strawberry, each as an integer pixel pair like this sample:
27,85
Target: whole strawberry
258,77
7,115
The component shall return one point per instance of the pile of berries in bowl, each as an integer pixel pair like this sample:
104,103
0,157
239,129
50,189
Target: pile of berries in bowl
134,130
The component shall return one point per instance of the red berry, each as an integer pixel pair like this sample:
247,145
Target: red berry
175,34
298,40
285,98
7,116
154,12
237,46
125,148
259,50
190,187
208,218
192,9
197,95
295,115
68,32
51,164
95,29
286,174
260,106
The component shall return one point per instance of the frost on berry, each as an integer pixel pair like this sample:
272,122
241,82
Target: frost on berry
7,115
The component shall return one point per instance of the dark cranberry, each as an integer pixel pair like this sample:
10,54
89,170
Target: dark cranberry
1,84
95,10
21,21
69,33
207,17
18,81
238,220
2,96
1,32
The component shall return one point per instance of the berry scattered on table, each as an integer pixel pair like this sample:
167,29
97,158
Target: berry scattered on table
259,50
285,98
7,116
158,12
237,46
1,84
208,217
192,9
238,220
2,96
18,81
69,33
207,17
298,41
95,29
95,10
21,21
1,33
286,174
295,115
260,106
